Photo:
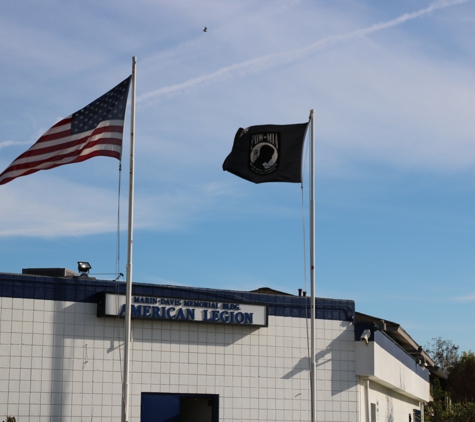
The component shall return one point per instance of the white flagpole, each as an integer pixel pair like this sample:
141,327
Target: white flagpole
128,288
312,269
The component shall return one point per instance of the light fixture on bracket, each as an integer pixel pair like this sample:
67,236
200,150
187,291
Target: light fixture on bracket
83,268
365,336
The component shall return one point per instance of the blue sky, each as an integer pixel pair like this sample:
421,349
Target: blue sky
393,88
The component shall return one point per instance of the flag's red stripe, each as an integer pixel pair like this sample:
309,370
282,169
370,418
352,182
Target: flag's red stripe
102,153
112,154
65,121
78,159
66,133
53,130
54,136
9,179
53,149
63,141
99,153
74,146
58,156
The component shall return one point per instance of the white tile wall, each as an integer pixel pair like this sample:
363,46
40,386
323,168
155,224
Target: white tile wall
59,362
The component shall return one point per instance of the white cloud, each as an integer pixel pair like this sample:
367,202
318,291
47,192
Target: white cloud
50,206
466,298
6,144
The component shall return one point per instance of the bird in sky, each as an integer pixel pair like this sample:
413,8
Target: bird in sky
205,30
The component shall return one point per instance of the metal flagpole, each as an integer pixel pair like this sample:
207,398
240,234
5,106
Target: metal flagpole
128,288
312,269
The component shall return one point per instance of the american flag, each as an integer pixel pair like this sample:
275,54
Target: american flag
96,130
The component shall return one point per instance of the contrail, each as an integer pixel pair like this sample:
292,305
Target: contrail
468,298
264,62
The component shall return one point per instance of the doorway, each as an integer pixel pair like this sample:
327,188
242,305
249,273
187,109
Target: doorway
166,407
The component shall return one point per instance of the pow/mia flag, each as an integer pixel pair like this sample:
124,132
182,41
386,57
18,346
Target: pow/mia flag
268,153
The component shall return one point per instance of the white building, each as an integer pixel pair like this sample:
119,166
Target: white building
201,355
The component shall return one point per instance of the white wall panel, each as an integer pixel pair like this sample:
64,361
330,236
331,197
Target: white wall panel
59,362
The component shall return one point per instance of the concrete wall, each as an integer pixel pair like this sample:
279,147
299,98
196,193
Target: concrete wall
384,362
397,384
390,405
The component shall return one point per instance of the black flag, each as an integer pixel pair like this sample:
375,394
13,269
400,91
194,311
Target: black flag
268,153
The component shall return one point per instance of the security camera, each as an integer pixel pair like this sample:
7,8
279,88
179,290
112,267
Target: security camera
366,335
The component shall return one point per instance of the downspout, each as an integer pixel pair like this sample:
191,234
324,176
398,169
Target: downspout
368,407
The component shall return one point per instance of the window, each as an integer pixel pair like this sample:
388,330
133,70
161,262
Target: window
373,412
416,416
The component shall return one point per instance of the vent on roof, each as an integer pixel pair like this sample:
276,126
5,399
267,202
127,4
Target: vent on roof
49,272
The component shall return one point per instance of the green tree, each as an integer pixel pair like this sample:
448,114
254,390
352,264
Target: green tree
458,412
443,352
461,382
434,409
453,400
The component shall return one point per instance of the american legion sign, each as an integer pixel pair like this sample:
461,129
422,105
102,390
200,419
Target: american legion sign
185,310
